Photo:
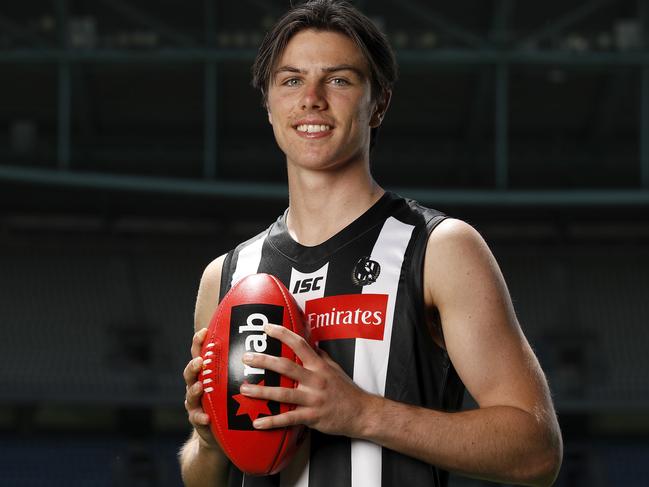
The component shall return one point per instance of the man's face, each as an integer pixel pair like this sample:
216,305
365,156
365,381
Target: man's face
319,101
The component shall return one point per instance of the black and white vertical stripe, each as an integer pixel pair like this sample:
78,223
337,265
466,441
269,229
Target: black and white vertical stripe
405,366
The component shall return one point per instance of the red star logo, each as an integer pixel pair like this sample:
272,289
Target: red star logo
252,407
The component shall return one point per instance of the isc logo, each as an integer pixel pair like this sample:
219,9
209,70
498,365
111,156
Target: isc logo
308,284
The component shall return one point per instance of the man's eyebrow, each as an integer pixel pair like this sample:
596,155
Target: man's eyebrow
287,69
345,67
328,69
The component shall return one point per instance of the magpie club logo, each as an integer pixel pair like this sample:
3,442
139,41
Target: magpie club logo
247,335
366,271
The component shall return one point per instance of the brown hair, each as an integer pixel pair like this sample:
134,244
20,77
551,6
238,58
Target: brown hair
329,15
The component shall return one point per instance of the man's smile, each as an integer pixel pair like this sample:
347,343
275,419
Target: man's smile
313,129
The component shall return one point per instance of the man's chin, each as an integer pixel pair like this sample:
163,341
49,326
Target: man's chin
325,162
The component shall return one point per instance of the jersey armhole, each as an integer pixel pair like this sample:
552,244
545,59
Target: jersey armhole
226,275
418,274
452,388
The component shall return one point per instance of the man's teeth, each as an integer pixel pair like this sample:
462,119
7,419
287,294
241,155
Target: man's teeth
313,128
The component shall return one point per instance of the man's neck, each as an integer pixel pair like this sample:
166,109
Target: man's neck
322,203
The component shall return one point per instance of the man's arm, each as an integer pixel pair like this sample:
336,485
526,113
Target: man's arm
202,462
513,437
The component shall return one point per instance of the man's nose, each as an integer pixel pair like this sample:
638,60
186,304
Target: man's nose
314,97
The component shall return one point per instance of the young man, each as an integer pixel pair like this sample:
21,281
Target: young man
381,409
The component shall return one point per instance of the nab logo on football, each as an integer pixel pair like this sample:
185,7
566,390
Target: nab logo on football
247,335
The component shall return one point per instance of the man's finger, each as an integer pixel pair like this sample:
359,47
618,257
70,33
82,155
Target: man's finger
190,374
298,344
193,395
286,395
281,365
290,418
199,418
197,342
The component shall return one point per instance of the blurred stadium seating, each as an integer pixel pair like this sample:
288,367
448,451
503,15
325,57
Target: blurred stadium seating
133,151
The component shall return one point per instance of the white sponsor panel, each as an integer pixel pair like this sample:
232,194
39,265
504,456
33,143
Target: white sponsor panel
371,356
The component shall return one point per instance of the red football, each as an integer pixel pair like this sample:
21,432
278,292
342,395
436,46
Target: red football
237,327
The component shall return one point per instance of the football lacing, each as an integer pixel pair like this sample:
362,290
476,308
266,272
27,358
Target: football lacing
207,361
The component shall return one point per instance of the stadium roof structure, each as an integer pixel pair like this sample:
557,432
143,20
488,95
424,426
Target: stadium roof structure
498,103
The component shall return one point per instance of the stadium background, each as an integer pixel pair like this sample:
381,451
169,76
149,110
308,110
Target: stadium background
133,151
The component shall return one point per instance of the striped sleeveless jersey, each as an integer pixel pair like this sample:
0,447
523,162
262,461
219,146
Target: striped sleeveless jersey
362,296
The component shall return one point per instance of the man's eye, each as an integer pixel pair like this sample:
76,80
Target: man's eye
291,82
339,82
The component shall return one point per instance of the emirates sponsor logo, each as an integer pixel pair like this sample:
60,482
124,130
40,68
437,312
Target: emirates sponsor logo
347,316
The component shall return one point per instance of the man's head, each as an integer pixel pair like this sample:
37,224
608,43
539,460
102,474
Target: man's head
334,16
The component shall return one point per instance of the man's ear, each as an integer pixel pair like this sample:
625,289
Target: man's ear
270,116
381,107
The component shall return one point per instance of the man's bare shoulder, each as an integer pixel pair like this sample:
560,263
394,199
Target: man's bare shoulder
452,233
459,259
212,273
208,293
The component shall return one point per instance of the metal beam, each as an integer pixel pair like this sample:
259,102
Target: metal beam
21,32
515,56
482,96
445,57
64,116
556,26
643,15
140,16
84,104
210,23
210,123
360,4
482,87
442,23
270,8
78,179
498,34
644,128
501,128
64,92
210,127
164,55
500,21
258,190
608,104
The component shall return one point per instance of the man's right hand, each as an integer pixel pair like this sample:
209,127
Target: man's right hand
194,391
202,462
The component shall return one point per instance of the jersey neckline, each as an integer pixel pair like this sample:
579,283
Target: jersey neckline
280,238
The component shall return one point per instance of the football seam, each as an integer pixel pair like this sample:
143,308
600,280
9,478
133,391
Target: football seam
221,437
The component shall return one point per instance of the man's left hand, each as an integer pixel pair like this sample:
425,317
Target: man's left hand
326,398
